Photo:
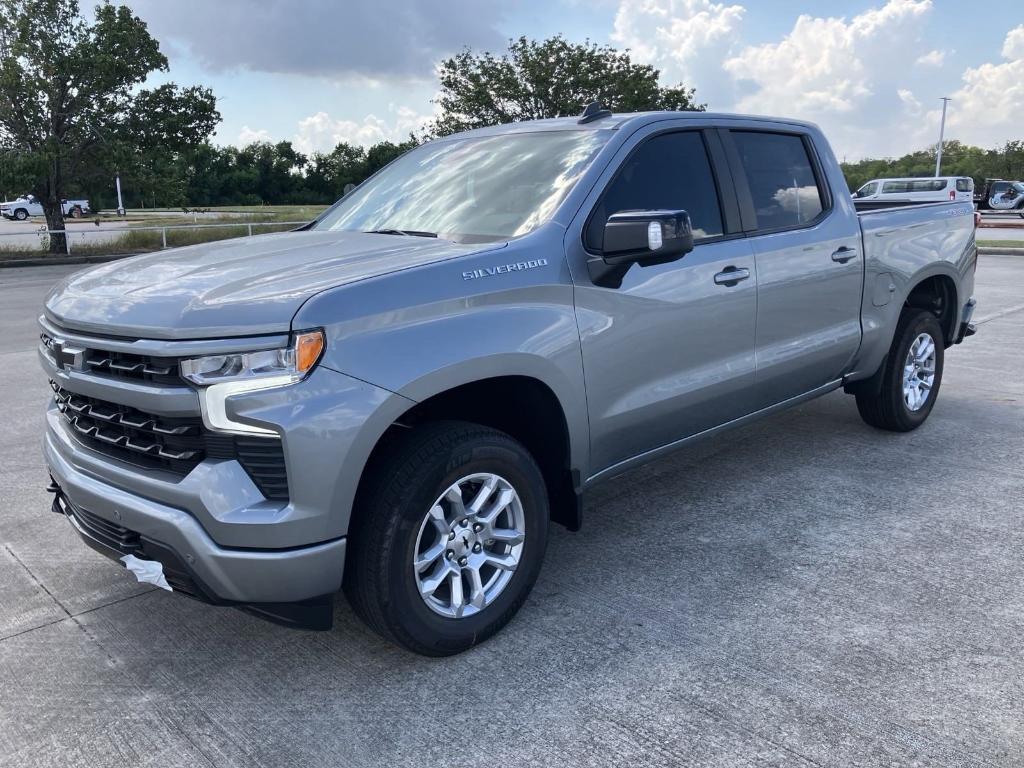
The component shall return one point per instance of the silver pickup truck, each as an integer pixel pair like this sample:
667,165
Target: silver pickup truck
396,400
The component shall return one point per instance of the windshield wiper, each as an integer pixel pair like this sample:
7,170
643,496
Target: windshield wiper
406,232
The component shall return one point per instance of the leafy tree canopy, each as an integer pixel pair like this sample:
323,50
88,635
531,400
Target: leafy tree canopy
549,78
70,96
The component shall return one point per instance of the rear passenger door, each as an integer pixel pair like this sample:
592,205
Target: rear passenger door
807,250
669,352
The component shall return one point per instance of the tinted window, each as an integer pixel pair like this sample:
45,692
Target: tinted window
963,185
783,186
667,172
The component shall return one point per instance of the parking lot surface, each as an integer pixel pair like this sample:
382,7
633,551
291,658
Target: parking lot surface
805,591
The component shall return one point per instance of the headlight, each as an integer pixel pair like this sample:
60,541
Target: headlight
221,376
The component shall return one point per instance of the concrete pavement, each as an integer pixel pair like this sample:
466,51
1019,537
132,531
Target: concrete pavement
804,591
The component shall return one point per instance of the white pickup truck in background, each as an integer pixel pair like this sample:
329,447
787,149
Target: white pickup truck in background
27,205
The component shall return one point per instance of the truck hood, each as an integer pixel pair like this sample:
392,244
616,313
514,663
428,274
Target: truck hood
238,287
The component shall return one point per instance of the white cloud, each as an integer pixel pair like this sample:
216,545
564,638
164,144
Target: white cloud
249,135
852,75
685,39
932,59
911,104
988,108
1013,48
849,75
321,132
829,66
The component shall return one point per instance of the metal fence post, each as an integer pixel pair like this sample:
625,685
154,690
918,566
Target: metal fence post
67,242
250,230
164,233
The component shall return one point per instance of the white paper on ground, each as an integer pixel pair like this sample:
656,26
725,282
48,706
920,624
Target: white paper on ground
147,571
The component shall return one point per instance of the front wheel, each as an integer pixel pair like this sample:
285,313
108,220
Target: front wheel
448,537
911,376
21,214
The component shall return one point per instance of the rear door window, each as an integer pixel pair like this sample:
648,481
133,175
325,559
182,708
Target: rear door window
963,185
667,172
784,187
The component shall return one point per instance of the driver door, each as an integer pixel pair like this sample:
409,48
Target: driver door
670,352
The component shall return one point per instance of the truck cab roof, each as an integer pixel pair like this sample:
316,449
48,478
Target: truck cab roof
615,121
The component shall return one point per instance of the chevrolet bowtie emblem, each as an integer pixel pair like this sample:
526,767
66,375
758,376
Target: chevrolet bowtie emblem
66,356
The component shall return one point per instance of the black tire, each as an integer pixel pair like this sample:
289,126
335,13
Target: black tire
887,409
20,215
400,488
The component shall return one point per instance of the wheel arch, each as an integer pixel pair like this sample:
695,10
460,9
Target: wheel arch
937,292
522,405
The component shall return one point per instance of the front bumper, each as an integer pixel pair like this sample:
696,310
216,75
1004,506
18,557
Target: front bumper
294,587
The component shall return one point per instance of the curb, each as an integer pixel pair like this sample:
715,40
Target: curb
1000,251
56,261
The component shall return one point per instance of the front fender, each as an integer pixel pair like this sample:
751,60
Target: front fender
430,331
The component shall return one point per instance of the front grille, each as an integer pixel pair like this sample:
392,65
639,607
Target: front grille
117,365
175,445
122,365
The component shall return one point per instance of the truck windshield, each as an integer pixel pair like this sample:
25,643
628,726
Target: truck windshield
470,190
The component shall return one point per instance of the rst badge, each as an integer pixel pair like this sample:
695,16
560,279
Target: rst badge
504,269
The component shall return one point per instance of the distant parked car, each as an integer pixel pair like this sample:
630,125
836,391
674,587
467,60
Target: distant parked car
941,189
27,205
1001,195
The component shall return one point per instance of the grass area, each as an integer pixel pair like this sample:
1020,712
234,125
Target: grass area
1000,243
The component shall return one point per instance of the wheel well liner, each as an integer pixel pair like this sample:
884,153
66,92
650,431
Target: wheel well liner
937,294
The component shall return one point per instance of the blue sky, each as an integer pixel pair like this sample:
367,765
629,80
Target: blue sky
871,73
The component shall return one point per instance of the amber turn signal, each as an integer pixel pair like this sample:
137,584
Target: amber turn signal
308,347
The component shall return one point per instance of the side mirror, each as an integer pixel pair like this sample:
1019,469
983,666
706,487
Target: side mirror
640,237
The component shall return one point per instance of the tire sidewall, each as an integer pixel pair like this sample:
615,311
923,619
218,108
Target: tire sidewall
403,597
921,322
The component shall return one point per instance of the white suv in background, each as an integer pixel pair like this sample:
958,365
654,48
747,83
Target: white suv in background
930,190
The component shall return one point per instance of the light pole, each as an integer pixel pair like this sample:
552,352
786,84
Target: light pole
942,131
117,182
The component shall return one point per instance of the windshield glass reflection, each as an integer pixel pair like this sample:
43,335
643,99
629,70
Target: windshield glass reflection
471,190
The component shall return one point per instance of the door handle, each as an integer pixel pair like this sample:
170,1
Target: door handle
730,276
844,254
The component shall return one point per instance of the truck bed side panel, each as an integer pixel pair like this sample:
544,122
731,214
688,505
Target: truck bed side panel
902,247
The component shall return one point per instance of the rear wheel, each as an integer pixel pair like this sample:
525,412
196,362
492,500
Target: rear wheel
448,537
911,375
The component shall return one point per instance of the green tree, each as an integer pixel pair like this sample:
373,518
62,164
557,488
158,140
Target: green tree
549,78
70,101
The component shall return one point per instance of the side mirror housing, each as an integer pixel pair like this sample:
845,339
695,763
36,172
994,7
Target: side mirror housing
640,237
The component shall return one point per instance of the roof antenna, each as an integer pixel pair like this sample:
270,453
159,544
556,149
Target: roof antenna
594,111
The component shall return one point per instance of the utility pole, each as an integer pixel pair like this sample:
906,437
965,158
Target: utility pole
942,131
